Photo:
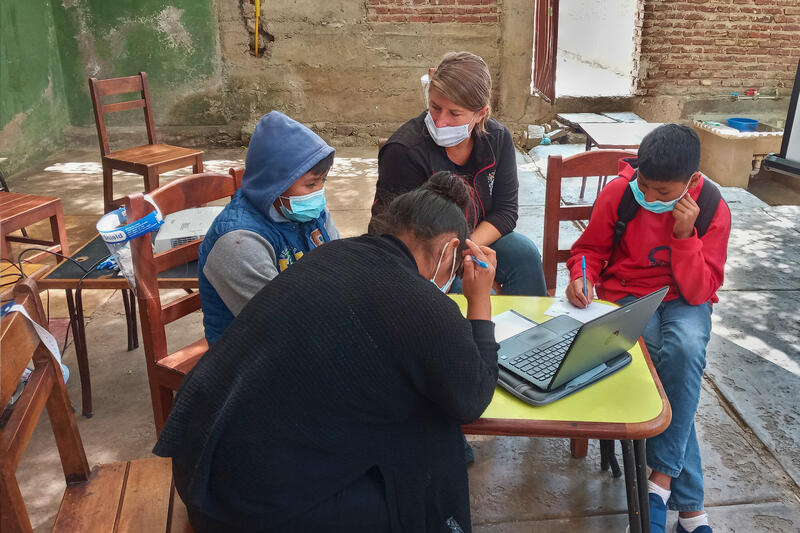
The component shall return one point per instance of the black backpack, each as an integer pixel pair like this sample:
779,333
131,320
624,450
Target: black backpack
707,201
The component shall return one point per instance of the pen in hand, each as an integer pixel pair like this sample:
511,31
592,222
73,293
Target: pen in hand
583,275
480,263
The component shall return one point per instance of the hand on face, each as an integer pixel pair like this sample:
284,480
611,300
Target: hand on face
477,281
685,214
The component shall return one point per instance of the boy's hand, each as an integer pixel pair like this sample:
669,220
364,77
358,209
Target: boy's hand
575,293
685,214
476,282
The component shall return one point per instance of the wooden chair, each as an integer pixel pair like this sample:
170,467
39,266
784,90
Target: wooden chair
149,160
166,370
20,210
128,496
594,163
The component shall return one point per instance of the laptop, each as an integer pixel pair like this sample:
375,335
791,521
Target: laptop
563,355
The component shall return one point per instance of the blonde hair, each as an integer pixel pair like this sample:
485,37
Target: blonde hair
464,79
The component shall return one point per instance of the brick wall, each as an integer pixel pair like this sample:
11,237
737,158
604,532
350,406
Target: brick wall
718,46
463,11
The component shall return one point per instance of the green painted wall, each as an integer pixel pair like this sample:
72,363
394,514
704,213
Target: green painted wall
174,41
33,107
49,48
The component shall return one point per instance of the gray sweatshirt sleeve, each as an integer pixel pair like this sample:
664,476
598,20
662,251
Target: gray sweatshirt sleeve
238,266
330,227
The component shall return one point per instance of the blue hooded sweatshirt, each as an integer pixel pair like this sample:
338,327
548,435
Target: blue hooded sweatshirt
250,242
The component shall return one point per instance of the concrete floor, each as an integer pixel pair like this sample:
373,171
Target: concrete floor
748,420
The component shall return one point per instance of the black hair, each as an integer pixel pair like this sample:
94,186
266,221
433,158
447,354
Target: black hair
323,165
669,153
437,207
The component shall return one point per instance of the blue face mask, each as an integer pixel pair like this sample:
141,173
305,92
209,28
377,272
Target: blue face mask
304,208
656,206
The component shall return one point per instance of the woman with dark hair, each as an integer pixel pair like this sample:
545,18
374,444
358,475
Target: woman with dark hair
456,134
334,400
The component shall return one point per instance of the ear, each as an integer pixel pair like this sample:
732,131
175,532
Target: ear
483,112
693,180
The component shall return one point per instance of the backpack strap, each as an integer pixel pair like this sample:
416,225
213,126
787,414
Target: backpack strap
626,210
707,201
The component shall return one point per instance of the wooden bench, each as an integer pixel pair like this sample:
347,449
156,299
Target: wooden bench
134,496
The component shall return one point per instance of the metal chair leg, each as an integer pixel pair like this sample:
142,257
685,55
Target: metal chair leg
631,488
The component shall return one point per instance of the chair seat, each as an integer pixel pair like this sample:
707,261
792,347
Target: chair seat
21,210
131,496
150,155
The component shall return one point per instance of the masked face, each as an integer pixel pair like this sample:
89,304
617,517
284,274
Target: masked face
304,208
447,136
655,206
446,287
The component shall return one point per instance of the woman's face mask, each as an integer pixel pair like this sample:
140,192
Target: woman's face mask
447,136
656,206
446,286
304,208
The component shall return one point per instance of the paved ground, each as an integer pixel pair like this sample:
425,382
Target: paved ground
748,420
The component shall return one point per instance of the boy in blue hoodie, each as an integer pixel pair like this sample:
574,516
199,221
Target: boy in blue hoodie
276,216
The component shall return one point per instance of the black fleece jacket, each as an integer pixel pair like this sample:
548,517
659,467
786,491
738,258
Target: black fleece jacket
346,361
410,157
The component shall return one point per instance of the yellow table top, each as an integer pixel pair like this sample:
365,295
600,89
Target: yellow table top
629,396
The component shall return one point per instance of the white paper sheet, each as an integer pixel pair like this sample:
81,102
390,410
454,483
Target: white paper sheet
509,323
594,310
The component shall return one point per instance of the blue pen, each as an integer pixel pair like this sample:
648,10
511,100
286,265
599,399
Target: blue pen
583,274
479,262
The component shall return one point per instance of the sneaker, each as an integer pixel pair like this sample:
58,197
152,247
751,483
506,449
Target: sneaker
658,514
702,529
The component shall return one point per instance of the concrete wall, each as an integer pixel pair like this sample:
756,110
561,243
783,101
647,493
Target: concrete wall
598,32
33,105
343,65
351,68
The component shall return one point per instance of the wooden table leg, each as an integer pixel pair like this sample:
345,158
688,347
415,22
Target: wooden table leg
631,488
75,307
578,448
639,450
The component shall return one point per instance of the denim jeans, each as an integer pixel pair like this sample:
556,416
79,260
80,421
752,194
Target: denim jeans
676,338
519,266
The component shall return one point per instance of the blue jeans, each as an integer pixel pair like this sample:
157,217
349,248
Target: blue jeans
519,266
676,338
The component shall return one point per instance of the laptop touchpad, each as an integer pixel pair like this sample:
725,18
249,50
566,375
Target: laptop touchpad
525,341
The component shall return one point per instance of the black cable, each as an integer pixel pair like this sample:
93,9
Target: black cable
78,290
23,252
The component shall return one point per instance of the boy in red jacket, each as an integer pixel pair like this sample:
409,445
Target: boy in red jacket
661,246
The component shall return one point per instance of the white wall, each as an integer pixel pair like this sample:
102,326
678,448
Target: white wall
598,31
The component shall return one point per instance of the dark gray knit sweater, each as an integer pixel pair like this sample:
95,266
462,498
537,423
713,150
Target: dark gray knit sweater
348,360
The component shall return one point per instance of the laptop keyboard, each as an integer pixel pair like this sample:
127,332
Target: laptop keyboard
542,363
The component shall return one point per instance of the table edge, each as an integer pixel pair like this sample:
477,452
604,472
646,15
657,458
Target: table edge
585,430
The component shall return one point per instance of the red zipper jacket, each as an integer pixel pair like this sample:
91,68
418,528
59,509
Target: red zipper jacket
649,256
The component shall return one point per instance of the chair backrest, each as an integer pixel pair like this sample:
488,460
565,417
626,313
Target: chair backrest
111,86
183,193
591,163
19,343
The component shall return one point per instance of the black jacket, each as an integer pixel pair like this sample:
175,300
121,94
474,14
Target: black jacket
410,157
348,360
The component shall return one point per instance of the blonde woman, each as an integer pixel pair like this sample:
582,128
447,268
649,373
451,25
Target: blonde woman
456,134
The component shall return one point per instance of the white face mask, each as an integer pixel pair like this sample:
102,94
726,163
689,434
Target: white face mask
446,286
447,136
